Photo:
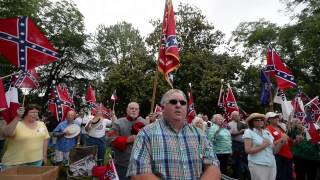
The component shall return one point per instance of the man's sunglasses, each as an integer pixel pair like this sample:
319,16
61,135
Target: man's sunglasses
174,102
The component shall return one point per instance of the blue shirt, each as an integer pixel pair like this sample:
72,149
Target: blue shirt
169,154
64,144
264,157
222,141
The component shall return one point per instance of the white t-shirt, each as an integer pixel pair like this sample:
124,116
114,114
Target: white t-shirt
98,130
82,122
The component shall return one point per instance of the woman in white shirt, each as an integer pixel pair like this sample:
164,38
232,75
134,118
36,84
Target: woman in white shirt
258,144
96,129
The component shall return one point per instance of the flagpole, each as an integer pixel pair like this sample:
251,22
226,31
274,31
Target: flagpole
156,76
114,102
155,83
270,98
10,75
311,101
24,98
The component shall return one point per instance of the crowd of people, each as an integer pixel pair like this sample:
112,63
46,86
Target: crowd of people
165,146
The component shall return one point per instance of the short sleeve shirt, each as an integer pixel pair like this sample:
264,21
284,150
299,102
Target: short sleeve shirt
265,156
169,154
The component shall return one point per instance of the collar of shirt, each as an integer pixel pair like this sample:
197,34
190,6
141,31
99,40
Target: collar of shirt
132,119
168,125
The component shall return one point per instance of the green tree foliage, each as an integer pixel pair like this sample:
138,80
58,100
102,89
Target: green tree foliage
297,43
126,66
200,65
63,24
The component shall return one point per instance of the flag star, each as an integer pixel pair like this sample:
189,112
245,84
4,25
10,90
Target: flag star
21,41
175,41
53,54
9,37
43,50
21,50
22,58
285,75
22,33
33,46
21,24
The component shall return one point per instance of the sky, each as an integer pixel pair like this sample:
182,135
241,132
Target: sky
225,15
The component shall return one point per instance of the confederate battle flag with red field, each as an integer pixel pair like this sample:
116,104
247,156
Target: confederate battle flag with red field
169,50
24,45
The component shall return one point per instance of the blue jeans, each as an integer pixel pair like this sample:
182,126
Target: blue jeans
101,144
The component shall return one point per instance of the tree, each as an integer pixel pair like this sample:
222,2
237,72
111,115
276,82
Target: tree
297,44
63,23
200,65
126,66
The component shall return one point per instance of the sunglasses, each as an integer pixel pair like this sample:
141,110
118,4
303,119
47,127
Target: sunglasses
174,102
257,120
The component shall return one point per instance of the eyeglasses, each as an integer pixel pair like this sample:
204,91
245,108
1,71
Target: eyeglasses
174,102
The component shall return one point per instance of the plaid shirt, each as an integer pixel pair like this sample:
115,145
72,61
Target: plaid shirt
160,150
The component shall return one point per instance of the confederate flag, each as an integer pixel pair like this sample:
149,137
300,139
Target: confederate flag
91,97
277,69
3,102
24,45
191,109
27,79
107,112
297,104
169,50
231,104
59,103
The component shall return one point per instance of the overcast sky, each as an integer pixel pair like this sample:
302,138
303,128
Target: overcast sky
225,15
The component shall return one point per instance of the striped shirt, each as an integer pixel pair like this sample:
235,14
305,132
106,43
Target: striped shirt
168,154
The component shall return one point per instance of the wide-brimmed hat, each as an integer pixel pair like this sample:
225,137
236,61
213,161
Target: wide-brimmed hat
73,129
255,116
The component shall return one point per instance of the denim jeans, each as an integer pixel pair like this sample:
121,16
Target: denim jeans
101,144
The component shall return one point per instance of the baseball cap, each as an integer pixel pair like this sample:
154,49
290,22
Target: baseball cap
271,115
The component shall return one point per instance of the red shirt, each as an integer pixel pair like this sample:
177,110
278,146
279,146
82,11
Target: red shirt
285,150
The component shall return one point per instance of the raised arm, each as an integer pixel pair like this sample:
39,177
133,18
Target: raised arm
10,129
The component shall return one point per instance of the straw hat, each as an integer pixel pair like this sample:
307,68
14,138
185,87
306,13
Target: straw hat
255,116
73,129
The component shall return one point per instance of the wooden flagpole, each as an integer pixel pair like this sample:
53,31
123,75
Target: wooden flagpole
155,83
23,100
10,75
156,76
271,97
114,102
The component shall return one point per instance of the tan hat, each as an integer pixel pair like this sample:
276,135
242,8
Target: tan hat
255,116
73,130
